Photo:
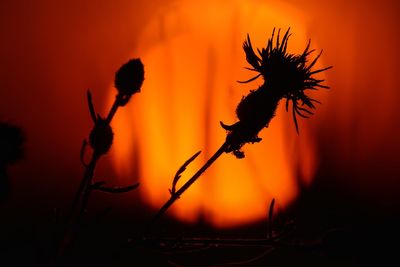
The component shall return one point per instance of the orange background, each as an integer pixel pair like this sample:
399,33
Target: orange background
52,52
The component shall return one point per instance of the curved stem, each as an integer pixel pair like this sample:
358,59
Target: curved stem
184,187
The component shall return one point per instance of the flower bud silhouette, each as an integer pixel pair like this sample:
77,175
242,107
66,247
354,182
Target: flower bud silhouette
129,78
101,137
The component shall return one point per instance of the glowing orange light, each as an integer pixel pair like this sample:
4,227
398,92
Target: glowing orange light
193,57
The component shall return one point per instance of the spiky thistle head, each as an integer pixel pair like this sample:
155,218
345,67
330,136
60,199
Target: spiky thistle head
286,75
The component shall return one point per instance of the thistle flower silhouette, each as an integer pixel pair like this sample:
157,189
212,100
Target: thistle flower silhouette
286,76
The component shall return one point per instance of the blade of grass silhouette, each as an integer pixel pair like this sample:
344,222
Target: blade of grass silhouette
185,186
270,214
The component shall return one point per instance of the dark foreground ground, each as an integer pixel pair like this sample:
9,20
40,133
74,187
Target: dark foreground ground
328,229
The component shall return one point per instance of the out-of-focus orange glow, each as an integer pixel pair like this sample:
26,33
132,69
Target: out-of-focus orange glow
193,57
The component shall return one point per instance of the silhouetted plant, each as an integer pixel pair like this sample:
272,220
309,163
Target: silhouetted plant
128,81
11,151
286,76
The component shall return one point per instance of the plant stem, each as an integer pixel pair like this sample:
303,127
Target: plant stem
81,198
88,177
113,109
84,186
184,187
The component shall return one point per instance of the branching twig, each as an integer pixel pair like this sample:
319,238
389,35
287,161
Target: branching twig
180,171
184,187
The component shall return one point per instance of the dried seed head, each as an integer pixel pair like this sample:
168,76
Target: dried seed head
285,76
101,137
129,78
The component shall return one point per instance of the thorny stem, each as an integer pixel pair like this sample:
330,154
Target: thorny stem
185,186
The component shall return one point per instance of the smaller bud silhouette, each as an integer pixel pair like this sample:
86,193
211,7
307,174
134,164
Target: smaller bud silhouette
101,137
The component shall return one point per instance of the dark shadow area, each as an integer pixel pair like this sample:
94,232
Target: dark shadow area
11,151
327,226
